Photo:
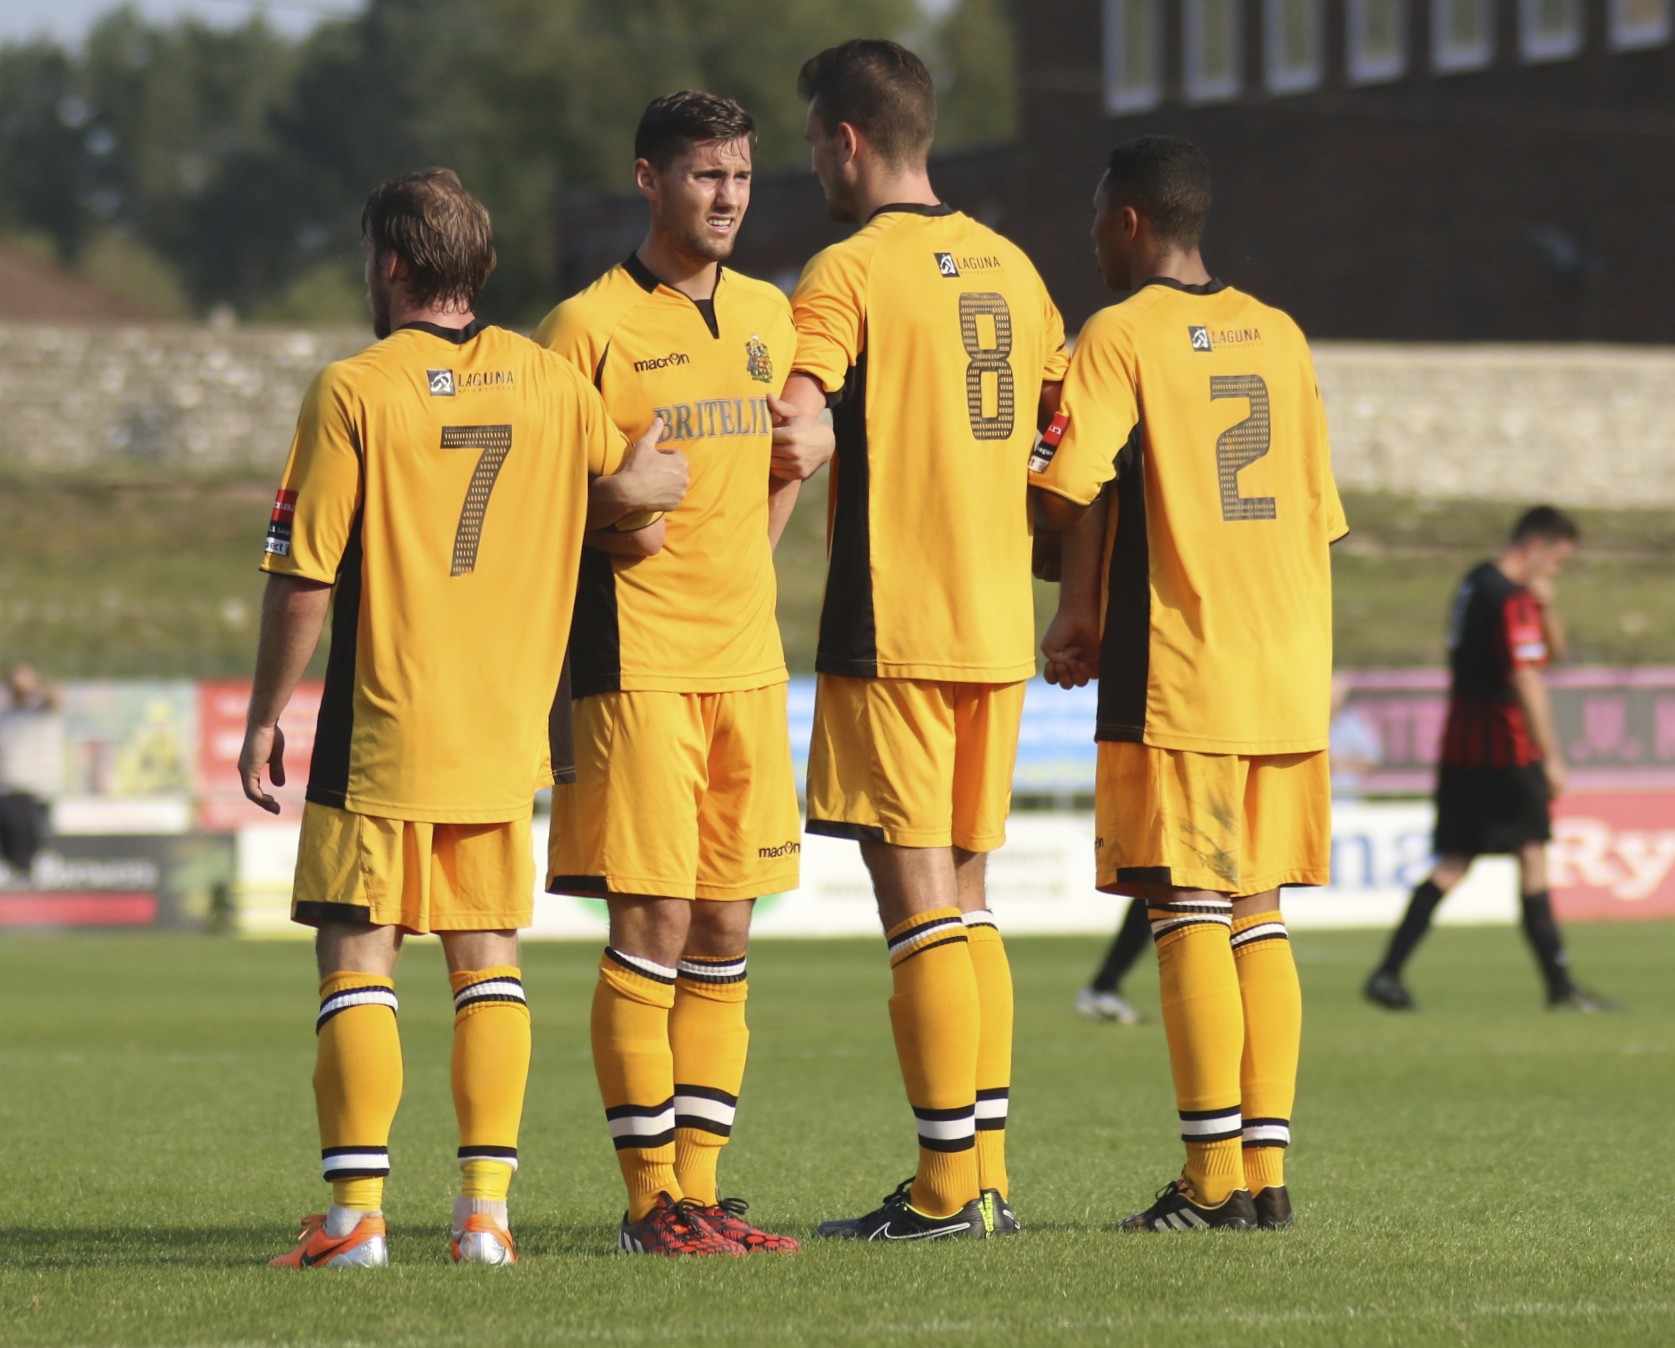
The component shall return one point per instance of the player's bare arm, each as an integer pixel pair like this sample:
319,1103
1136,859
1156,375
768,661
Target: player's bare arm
293,616
1071,643
1531,688
803,442
650,479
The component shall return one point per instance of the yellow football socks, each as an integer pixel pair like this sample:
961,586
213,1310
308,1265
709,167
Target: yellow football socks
1273,1012
709,1039
994,1046
636,1071
490,1073
1204,1024
357,1085
934,1014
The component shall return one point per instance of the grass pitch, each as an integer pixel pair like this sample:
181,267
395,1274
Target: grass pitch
1481,1172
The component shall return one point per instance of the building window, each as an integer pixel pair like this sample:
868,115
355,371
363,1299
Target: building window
1549,30
1641,23
1133,55
1377,35
1293,43
1462,35
1213,50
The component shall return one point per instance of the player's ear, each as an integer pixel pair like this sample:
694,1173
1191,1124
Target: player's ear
645,178
850,139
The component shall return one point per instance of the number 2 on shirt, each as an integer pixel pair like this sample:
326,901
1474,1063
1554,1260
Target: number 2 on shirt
1242,444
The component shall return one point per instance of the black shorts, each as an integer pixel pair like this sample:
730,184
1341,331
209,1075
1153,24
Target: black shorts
1484,811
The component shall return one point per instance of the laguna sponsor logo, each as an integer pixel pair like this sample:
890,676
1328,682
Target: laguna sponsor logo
949,265
485,378
785,849
441,383
662,362
1208,339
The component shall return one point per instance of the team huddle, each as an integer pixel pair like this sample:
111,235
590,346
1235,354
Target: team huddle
627,475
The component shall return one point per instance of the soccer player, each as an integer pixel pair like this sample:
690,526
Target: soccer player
684,808
1500,766
935,343
436,496
1197,588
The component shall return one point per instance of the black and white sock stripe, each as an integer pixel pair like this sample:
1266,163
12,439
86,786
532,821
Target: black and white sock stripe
349,998
1169,917
641,1125
658,973
1262,931
1211,1125
992,1106
497,989
981,917
482,1152
337,1163
947,1129
1267,1133
705,1108
925,936
713,971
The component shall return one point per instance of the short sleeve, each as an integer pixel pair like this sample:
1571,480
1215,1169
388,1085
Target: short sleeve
565,332
1058,354
829,310
606,448
1525,636
1334,521
1097,414
320,493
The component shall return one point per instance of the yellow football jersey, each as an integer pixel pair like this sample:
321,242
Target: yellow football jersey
931,335
698,617
439,479
1202,403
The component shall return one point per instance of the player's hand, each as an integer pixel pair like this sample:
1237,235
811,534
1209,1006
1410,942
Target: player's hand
1071,646
656,479
264,747
1556,777
1046,560
802,444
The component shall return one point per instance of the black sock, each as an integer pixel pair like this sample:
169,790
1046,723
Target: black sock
1414,924
1133,936
1542,932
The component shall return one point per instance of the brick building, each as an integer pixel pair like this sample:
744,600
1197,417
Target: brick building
1438,170
1448,170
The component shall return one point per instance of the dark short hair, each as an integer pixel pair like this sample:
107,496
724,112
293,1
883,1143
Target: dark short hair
878,87
1546,524
1167,181
677,121
438,229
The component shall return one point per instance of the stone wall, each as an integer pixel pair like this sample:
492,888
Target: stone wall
1577,425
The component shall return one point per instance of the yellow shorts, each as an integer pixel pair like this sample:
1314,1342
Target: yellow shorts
1232,824
913,762
411,874
680,796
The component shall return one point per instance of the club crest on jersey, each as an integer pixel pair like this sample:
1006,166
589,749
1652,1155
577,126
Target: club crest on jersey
441,383
1200,338
758,363
946,265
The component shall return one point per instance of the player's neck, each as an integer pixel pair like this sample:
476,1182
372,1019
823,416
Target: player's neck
907,187
1187,268
402,314
1513,564
694,277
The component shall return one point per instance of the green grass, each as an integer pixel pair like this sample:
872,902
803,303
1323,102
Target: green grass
159,579
1482,1172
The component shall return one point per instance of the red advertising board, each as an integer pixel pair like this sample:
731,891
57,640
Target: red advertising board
1613,856
221,707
